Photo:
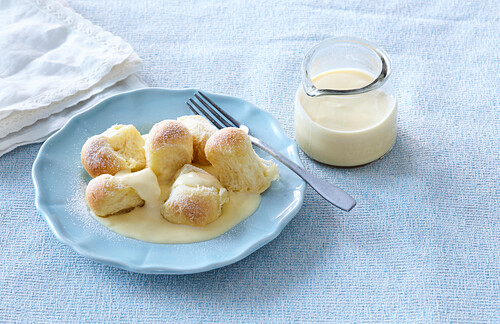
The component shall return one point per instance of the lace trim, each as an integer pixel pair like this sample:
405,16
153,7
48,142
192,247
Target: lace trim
21,119
44,128
69,18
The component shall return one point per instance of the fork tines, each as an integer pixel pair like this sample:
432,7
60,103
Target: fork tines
212,111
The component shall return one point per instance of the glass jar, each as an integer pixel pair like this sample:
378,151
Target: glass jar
345,108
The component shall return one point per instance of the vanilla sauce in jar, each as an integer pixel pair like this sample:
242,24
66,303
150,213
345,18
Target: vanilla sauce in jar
345,110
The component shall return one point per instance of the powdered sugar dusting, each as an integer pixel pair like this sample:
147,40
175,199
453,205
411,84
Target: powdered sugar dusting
168,132
98,157
77,208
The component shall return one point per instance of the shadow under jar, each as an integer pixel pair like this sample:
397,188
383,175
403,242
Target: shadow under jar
345,108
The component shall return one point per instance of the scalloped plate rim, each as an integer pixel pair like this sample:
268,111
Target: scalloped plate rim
63,237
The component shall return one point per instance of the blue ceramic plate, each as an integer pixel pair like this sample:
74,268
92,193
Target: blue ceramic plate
60,182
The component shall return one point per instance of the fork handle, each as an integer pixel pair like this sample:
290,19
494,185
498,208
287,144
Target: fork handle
333,194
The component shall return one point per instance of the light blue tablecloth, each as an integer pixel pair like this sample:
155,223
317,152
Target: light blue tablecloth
421,246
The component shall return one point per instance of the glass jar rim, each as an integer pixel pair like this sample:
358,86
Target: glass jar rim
385,70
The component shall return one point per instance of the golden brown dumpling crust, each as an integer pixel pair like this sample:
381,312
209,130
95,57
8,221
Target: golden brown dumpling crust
196,199
106,195
169,146
121,147
201,129
237,165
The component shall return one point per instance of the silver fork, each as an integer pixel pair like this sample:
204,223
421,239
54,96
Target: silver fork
333,194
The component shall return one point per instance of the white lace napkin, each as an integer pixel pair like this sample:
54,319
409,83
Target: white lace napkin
54,64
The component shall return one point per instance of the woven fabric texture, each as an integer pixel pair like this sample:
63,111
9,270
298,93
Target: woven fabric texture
423,244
